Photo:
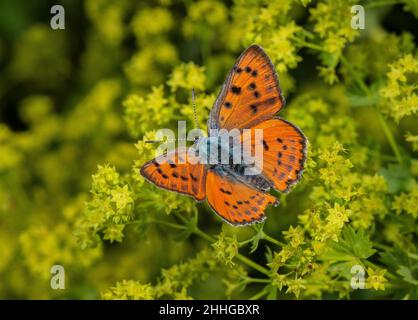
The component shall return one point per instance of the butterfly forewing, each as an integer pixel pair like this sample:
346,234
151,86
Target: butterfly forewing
183,176
251,93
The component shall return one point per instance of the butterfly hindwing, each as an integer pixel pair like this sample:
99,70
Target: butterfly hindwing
250,94
183,176
234,201
284,152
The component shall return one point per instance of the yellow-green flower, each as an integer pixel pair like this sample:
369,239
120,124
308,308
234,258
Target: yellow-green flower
338,215
121,196
295,286
295,236
413,139
226,248
187,76
376,279
114,233
129,290
279,280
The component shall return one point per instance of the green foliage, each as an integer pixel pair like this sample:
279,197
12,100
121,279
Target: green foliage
72,142
349,251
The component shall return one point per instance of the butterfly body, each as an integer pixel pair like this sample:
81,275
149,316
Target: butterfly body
216,167
212,148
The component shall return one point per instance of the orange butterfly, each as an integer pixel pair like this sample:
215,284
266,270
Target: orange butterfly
249,99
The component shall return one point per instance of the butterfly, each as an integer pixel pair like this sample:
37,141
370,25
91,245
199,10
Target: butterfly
250,98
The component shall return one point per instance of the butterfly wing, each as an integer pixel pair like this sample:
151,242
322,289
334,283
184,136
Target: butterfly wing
250,94
234,201
284,152
183,176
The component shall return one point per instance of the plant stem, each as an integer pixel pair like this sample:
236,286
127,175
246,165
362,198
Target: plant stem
390,138
181,217
204,235
243,243
165,223
252,264
381,246
272,240
358,80
309,45
256,280
258,295
169,224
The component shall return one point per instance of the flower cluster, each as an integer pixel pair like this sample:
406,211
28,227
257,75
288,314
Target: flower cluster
143,114
407,202
226,248
331,25
400,91
109,209
129,290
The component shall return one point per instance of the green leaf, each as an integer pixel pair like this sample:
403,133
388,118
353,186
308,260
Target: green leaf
329,59
397,261
397,176
269,254
352,246
272,292
357,97
406,275
361,100
255,239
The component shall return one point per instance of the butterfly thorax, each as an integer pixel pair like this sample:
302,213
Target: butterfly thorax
213,150
222,157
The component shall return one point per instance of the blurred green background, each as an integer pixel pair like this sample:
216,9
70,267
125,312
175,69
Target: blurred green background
81,97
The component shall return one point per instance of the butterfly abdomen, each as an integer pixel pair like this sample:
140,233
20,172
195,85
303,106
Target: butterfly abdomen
257,181
237,172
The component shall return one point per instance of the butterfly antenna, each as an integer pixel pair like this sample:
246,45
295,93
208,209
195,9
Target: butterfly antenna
194,109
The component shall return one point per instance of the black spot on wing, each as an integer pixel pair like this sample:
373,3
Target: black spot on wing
236,90
265,145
